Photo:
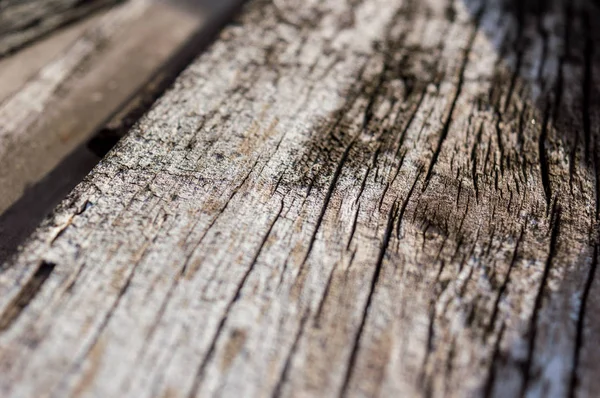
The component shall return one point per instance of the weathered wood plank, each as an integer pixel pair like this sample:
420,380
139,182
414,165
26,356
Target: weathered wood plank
340,198
22,21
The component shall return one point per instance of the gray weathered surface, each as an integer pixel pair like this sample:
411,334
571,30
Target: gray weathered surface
339,198
22,21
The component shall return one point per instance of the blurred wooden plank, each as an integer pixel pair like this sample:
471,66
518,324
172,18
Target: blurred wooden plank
18,68
22,21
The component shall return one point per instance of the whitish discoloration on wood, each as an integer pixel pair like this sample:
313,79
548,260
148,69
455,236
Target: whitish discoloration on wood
339,198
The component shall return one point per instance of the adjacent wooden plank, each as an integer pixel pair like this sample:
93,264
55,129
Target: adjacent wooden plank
22,21
340,198
17,69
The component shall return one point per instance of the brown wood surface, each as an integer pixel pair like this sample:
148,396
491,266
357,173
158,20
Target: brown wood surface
351,198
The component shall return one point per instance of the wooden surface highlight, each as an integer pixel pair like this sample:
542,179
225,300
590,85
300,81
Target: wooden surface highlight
363,198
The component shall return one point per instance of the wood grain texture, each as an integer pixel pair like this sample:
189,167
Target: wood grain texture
22,21
353,198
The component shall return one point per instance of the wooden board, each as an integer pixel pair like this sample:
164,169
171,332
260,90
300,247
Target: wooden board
362,198
22,21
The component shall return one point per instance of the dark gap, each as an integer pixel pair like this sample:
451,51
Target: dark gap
27,293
